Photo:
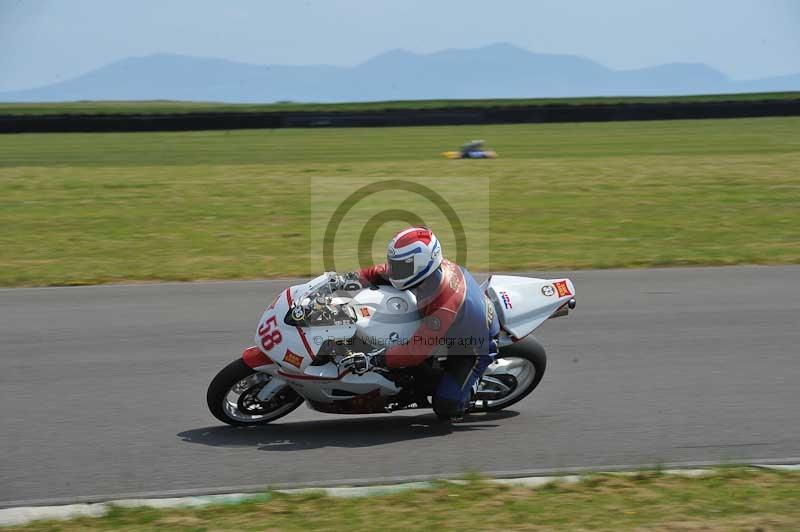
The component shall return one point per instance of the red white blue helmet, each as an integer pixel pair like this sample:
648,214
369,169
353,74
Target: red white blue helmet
413,254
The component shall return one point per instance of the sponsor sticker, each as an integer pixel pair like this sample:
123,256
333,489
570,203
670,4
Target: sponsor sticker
294,360
364,312
506,299
562,288
548,290
489,312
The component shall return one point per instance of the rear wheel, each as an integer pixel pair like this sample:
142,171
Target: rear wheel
233,396
513,376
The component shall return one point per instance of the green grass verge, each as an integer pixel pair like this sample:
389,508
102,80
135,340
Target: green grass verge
93,208
167,106
729,500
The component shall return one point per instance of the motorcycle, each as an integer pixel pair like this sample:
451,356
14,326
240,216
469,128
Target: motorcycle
473,154
309,328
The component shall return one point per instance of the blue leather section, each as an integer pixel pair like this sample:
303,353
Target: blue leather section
472,323
454,389
471,335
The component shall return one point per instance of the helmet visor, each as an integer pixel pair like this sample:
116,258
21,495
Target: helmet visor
401,269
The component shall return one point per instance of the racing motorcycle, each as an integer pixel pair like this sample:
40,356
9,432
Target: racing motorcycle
309,328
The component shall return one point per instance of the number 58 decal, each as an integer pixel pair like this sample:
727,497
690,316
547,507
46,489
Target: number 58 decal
269,337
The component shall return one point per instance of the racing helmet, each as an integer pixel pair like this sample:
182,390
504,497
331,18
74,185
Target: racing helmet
412,255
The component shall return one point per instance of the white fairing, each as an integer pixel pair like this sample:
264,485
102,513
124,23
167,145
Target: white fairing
296,347
524,303
321,389
379,317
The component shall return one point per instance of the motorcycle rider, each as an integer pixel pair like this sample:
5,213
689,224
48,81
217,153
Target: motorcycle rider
471,147
455,313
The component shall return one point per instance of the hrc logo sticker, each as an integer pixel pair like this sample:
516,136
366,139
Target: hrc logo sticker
506,300
294,360
562,288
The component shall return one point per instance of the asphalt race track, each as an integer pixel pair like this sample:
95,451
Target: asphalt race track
103,389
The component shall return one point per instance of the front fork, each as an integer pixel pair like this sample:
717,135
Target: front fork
273,386
253,357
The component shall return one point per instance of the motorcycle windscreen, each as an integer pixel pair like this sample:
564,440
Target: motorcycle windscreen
401,269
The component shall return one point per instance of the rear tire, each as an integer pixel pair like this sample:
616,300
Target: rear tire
236,374
528,349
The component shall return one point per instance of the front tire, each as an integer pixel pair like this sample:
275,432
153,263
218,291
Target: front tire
232,397
525,361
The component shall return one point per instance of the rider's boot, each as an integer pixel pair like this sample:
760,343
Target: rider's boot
447,410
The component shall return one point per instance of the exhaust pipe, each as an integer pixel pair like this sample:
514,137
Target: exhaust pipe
564,311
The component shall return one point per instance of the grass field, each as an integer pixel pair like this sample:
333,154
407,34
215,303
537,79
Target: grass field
729,500
92,107
93,208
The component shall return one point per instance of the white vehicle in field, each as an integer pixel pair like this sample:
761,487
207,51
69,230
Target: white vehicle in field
307,330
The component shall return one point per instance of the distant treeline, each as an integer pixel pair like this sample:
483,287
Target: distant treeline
453,115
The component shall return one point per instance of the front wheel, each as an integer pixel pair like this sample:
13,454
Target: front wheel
515,373
233,397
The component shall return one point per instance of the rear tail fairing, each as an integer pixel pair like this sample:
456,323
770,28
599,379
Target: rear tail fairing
524,303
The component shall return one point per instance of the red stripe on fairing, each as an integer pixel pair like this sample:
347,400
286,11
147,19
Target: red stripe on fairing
305,343
253,357
299,330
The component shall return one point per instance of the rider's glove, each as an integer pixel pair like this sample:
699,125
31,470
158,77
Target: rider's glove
360,363
348,281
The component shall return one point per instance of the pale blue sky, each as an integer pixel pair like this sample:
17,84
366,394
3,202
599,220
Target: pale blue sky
42,41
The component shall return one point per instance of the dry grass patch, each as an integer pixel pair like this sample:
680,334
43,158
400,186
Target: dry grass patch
726,500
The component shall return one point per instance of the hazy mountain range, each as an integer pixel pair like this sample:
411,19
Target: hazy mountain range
495,71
